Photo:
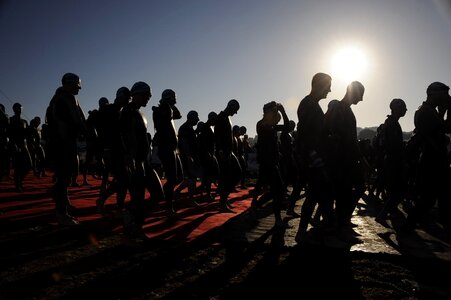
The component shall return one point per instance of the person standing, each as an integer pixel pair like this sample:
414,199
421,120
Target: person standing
167,142
113,152
310,155
189,155
229,169
36,150
207,157
268,155
394,162
343,158
66,122
133,129
18,133
433,174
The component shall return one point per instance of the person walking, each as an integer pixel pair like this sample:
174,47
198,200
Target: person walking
66,122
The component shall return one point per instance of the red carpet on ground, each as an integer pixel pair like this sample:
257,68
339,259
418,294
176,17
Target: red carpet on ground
34,207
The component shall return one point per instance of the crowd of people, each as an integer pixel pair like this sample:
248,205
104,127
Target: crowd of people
320,154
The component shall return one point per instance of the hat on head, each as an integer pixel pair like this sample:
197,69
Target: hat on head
168,94
397,103
270,106
233,103
140,87
437,87
212,115
103,101
192,114
123,92
69,78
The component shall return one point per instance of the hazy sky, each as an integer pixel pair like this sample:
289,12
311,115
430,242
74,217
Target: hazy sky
212,51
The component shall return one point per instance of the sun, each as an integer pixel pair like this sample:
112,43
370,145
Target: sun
349,64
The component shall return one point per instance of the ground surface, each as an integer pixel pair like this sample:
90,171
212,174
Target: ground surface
207,255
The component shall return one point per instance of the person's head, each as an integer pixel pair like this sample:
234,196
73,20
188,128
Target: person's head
271,112
200,126
232,107
243,130
236,130
35,122
123,96
211,120
71,83
192,117
103,102
354,92
168,96
2,108
398,108
438,94
141,93
321,83
17,108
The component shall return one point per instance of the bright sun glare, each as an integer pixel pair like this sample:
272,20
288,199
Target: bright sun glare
349,64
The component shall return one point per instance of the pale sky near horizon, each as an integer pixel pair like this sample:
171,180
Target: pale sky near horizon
209,52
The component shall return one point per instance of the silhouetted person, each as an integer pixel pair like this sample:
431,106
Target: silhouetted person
66,122
229,170
94,145
18,133
290,172
207,157
268,155
36,150
394,162
133,128
311,156
238,132
433,169
189,154
378,188
344,159
113,151
4,153
166,139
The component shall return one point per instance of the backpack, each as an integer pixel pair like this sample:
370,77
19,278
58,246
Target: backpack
414,148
